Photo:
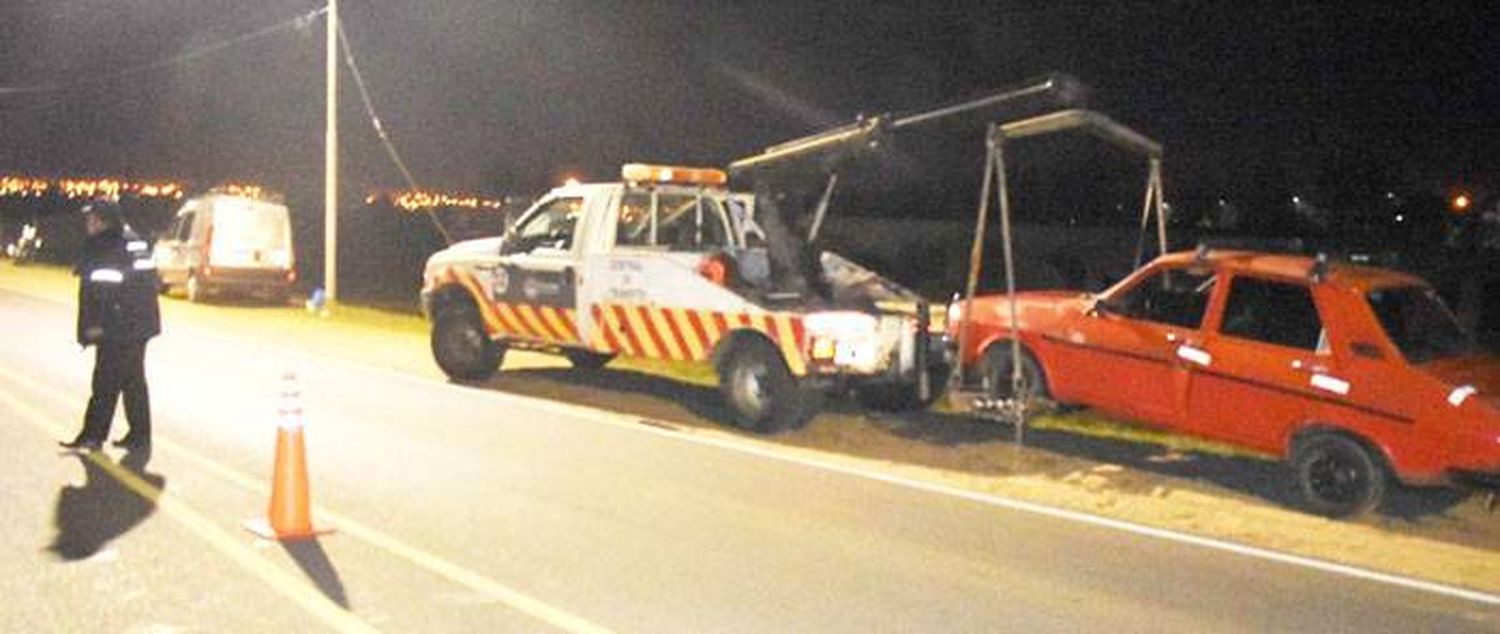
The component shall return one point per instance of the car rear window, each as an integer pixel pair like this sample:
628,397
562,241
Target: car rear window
1418,322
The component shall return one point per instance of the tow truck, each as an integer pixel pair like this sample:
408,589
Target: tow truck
669,263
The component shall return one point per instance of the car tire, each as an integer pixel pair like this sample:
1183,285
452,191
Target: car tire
462,348
1337,475
995,373
761,392
586,360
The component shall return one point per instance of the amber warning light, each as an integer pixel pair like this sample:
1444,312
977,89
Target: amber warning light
644,173
1461,203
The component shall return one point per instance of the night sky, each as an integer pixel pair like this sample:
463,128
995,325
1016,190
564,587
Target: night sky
510,97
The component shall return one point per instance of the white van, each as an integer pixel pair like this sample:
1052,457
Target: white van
222,242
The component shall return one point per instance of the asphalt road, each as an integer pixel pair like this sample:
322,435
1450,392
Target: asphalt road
466,509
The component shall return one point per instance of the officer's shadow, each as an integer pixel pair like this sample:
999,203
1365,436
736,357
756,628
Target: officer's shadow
89,516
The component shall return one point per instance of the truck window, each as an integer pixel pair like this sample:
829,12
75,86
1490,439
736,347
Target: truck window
1178,297
691,223
551,226
633,226
680,222
1277,313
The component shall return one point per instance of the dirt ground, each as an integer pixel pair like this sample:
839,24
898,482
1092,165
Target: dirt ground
1079,462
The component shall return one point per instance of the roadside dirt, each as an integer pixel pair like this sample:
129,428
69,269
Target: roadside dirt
1091,467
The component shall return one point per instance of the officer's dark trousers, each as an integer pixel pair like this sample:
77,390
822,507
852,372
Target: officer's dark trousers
119,367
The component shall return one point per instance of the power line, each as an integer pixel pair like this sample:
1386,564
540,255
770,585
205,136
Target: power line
298,22
385,140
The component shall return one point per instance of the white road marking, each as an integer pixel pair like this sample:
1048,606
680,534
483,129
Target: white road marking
600,416
625,421
343,621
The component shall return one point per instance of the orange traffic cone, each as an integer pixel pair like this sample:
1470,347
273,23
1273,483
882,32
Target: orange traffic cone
289,516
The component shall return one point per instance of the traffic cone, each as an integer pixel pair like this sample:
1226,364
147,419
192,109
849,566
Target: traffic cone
289,516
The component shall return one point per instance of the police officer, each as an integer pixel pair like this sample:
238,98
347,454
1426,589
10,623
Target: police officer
117,314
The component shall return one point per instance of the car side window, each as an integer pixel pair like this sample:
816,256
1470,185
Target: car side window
551,226
1278,313
1178,297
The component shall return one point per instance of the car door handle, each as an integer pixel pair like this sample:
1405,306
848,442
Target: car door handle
1194,354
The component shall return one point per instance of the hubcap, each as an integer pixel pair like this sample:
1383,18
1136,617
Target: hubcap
1335,478
753,378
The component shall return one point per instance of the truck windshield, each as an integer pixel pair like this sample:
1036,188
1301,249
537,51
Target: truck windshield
1418,322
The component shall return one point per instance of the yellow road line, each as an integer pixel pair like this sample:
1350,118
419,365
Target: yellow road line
484,586
294,588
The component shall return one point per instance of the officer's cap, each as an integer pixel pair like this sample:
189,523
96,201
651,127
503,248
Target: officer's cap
104,209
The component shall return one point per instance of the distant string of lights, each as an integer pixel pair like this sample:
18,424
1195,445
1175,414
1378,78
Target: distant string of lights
426,201
74,188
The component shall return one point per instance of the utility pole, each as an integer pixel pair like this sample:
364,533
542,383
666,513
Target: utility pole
331,162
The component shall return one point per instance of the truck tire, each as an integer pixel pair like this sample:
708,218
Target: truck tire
462,348
1338,475
761,392
586,360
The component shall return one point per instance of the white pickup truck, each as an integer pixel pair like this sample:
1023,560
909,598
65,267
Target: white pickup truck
670,264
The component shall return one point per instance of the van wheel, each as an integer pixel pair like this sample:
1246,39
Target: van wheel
1338,476
585,360
761,392
462,348
193,289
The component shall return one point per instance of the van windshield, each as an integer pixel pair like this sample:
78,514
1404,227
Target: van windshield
1419,323
251,226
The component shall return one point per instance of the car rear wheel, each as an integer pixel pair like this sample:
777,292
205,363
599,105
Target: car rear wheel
761,392
1338,475
462,348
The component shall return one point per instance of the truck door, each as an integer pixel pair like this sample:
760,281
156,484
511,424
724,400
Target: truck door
643,286
534,284
1266,367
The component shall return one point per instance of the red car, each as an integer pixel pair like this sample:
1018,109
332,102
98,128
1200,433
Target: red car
1352,374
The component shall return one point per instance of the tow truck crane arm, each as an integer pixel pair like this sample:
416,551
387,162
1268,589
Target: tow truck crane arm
781,176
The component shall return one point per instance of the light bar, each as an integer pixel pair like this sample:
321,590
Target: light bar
646,173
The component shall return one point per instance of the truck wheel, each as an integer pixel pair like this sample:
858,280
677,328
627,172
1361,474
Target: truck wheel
1339,477
995,374
761,392
585,360
461,347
